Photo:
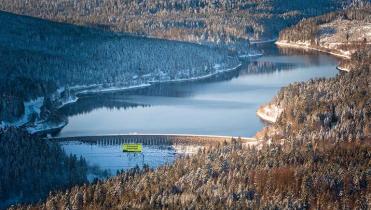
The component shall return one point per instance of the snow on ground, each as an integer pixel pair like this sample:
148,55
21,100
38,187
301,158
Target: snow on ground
31,107
306,45
269,113
199,77
69,100
217,66
257,142
335,32
44,126
342,68
97,88
262,41
112,89
333,37
250,55
34,106
185,149
356,31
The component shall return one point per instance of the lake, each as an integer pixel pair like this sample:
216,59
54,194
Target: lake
223,105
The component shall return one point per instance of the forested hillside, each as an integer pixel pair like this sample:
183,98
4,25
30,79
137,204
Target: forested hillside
40,59
71,55
230,176
31,167
336,109
216,21
341,32
316,156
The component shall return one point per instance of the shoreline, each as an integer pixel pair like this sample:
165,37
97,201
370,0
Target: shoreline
342,69
265,112
207,76
107,90
263,41
244,56
43,128
269,113
301,46
93,91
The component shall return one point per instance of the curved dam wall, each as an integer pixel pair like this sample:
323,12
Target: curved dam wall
151,139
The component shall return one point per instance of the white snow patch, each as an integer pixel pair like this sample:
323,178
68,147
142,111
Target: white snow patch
217,66
250,55
69,100
262,41
33,106
184,149
269,113
306,45
342,69
38,127
113,89
200,77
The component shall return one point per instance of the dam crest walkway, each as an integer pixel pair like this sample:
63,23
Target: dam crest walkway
152,139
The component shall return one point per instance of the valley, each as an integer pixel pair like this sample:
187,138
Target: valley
191,104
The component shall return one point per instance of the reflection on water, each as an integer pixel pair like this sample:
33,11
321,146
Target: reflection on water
223,105
89,104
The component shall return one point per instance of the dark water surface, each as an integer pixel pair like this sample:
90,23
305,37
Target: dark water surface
225,105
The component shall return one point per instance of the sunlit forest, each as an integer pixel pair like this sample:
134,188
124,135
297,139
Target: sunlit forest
86,61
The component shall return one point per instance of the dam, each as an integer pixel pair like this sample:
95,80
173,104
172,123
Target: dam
151,139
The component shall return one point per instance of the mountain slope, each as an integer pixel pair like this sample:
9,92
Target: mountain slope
31,167
220,21
40,58
340,33
316,156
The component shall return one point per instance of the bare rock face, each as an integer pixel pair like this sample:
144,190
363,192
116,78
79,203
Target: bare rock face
11,108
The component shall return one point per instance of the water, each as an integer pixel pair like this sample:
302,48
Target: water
110,157
225,105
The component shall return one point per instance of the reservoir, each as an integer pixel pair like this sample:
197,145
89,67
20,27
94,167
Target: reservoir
223,105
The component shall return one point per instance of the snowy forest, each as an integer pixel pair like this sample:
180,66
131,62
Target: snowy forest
342,32
318,158
315,155
332,109
231,176
30,167
211,21
41,58
309,30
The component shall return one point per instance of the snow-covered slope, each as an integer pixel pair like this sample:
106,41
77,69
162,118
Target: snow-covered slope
72,55
340,33
269,113
84,60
